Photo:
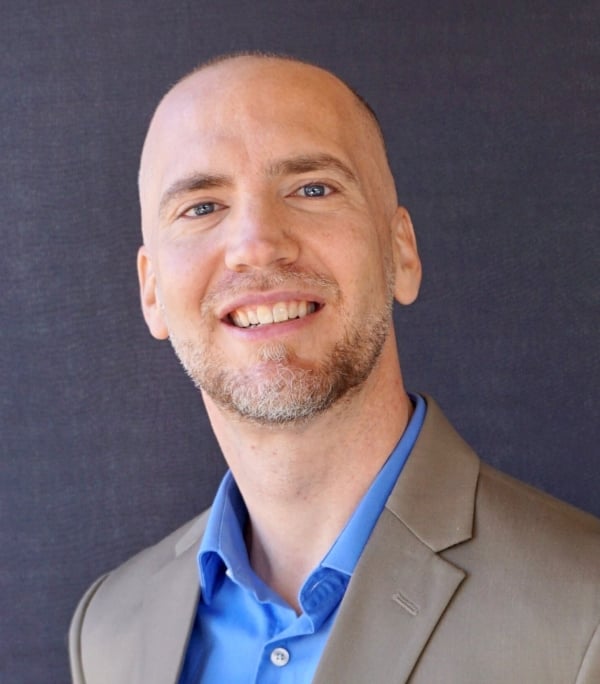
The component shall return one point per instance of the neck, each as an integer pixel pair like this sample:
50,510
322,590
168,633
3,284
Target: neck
301,483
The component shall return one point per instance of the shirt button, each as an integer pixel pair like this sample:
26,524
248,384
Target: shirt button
280,657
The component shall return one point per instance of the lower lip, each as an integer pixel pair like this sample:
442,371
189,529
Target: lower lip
271,330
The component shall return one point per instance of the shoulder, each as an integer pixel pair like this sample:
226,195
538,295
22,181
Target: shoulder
531,567
516,515
127,580
108,616
532,578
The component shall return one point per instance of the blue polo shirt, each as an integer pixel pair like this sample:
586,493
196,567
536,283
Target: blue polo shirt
244,632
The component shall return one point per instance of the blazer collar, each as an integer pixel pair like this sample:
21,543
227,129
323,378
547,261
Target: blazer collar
435,495
401,586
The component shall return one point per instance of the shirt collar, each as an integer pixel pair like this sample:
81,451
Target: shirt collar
223,547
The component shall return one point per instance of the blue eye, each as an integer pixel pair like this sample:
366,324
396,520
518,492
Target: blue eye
202,209
315,190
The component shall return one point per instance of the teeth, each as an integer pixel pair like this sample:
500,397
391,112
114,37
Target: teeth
241,319
278,313
265,315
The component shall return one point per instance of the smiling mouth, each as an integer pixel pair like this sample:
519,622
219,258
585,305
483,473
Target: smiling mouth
253,316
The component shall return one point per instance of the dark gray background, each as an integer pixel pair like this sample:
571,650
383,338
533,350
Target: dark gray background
491,115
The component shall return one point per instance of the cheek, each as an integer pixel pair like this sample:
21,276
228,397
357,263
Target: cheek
184,275
362,260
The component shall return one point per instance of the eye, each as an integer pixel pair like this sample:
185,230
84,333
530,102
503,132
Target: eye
314,190
202,209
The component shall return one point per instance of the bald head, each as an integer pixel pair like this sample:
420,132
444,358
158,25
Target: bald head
257,98
360,100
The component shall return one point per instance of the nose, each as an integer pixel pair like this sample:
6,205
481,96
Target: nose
257,238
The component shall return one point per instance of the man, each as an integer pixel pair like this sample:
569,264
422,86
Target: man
356,537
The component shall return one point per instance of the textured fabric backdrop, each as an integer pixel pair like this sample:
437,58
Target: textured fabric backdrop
490,110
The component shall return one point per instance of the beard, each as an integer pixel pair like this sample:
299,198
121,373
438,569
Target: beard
280,388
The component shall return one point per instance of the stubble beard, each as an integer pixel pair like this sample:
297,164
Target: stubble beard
279,388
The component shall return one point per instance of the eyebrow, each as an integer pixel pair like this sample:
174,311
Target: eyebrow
191,183
306,163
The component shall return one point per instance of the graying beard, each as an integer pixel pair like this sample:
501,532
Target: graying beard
261,401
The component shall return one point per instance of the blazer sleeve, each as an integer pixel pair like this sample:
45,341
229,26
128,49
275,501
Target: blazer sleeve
75,633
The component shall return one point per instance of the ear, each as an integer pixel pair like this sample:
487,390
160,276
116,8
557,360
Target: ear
149,298
406,258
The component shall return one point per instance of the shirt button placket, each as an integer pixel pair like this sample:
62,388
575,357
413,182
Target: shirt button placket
280,656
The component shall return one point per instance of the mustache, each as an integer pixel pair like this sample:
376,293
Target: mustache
233,284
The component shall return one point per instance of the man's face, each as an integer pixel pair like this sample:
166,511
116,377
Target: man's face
268,213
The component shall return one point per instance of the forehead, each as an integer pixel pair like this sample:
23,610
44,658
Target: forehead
253,107
241,84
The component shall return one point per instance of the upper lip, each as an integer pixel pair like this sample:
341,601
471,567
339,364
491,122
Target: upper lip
268,299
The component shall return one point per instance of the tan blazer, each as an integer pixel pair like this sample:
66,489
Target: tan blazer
469,577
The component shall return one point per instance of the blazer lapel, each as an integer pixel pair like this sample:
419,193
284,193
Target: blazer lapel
169,609
402,586
390,609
